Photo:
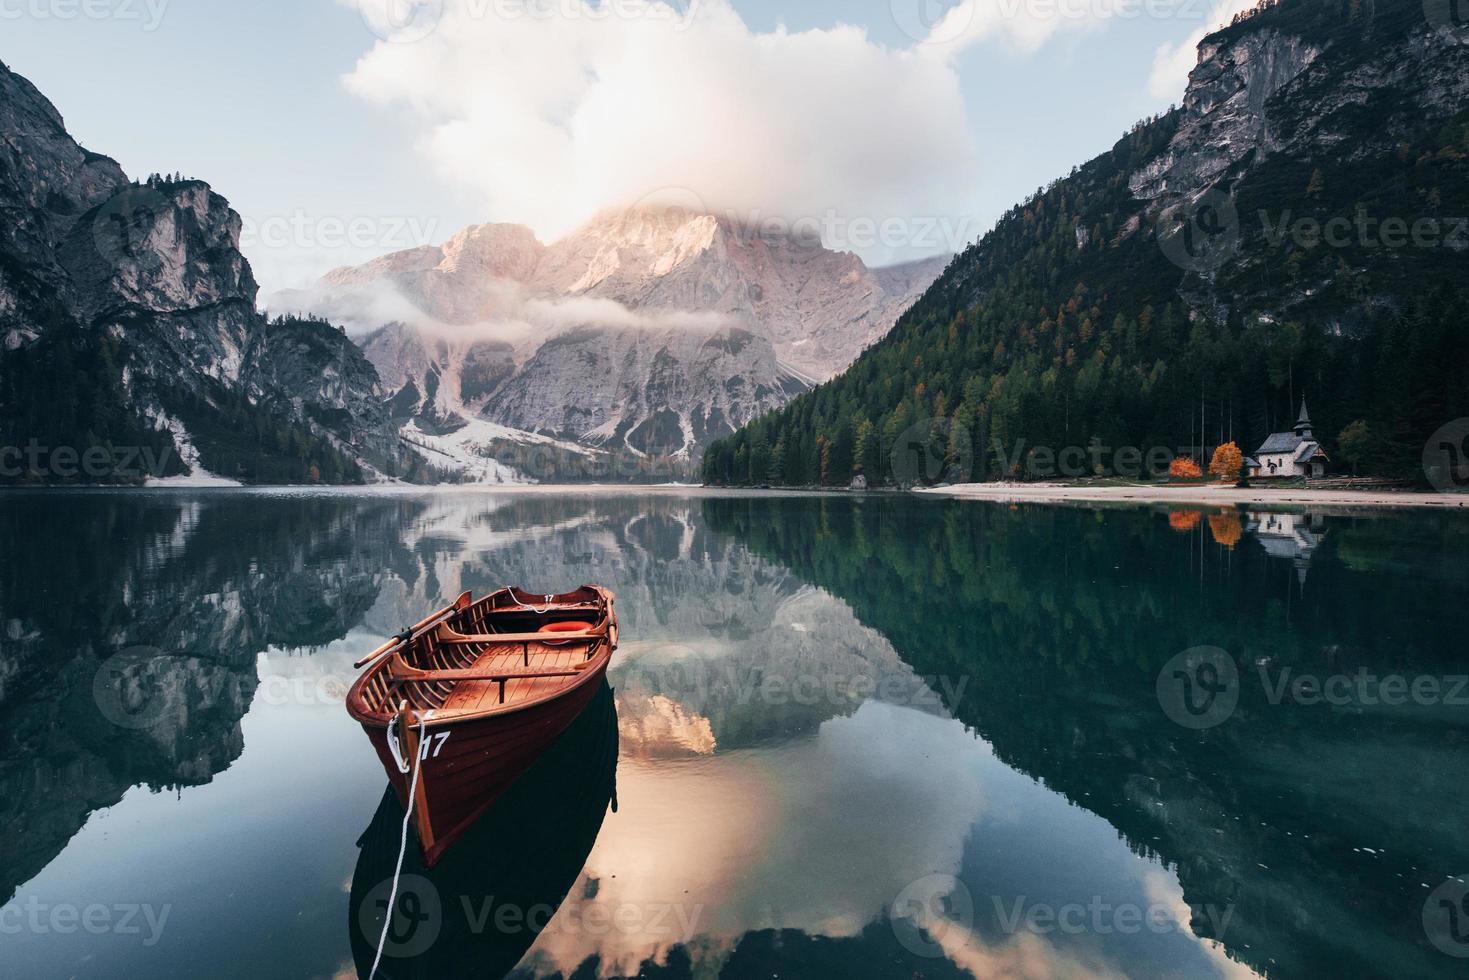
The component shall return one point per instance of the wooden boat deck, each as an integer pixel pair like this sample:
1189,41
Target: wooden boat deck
475,659
472,697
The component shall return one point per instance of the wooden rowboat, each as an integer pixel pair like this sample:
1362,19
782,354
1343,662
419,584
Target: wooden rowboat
475,694
524,854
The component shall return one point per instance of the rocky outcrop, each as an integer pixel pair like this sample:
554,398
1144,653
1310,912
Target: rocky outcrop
1350,92
1224,112
46,182
818,307
323,377
153,272
656,391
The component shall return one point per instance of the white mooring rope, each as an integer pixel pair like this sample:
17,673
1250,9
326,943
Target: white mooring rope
550,604
416,766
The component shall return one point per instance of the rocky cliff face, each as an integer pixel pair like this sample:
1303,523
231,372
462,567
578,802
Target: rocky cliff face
819,308
1262,90
147,281
650,331
1224,112
46,181
662,391
317,373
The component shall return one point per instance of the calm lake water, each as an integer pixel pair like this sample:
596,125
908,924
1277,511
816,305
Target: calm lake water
868,737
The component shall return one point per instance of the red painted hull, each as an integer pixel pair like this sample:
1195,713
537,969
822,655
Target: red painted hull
465,773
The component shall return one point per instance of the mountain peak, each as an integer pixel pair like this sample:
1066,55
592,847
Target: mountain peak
500,251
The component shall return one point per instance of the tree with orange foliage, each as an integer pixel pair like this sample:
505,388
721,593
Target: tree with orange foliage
1184,468
1228,462
1185,520
1226,527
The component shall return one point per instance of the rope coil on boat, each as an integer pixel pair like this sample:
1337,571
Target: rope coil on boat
417,767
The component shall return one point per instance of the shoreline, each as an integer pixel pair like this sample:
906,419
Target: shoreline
1207,496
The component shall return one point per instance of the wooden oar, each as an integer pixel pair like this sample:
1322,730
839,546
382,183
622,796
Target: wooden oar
407,636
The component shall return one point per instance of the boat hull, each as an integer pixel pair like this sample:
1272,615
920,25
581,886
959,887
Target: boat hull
466,766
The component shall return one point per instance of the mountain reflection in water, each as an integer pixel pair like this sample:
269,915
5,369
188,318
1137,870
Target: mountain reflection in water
860,737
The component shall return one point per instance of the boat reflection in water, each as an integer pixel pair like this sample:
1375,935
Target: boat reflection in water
479,910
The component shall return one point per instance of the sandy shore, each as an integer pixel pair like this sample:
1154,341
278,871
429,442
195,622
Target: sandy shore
1209,496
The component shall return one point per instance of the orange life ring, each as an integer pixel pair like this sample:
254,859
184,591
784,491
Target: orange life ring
566,627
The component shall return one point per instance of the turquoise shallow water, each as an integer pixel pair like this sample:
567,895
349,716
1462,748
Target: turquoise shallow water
844,736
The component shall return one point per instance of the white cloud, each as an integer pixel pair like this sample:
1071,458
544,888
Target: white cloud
1022,24
1173,62
552,116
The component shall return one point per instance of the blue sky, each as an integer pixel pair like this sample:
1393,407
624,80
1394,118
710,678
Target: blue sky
253,97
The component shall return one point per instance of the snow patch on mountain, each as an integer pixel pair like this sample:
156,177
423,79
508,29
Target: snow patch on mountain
471,453
197,476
